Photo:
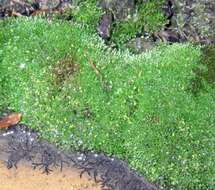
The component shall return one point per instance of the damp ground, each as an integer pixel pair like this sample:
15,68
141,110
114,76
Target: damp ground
28,162
24,177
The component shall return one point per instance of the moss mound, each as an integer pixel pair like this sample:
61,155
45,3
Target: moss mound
135,107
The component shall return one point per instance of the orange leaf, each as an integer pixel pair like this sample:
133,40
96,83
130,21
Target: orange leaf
10,120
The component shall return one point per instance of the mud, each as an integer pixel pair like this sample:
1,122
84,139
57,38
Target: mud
26,178
19,145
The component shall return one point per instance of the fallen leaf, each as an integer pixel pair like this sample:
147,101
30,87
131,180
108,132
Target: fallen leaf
10,120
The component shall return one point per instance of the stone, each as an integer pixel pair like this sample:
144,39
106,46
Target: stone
141,44
104,27
15,8
35,7
168,35
195,19
47,4
122,9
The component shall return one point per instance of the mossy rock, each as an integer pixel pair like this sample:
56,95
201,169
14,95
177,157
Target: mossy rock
121,8
148,17
195,19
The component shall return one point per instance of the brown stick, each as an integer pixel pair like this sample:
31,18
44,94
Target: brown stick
16,14
98,73
104,82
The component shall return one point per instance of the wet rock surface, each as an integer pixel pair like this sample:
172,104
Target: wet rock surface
120,8
15,8
194,19
27,8
19,143
47,4
105,25
141,44
187,21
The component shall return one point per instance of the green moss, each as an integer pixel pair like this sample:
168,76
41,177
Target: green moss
83,12
147,117
206,70
124,31
208,59
149,17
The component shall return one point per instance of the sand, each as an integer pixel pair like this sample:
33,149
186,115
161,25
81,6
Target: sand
25,178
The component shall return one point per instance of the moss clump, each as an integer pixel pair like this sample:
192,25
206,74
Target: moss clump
208,59
205,73
84,12
149,18
147,117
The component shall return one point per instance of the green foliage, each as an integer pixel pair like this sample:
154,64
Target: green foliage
149,17
125,30
88,13
134,106
206,71
84,12
208,59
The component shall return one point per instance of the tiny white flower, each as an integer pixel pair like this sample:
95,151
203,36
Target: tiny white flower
31,139
80,158
22,66
8,133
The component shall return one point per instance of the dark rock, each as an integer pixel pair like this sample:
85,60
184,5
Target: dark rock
104,27
120,8
195,20
168,9
2,12
52,4
47,4
63,5
168,12
141,44
15,8
23,8
168,35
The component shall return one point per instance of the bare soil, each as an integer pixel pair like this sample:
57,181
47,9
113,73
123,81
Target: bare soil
21,151
24,177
